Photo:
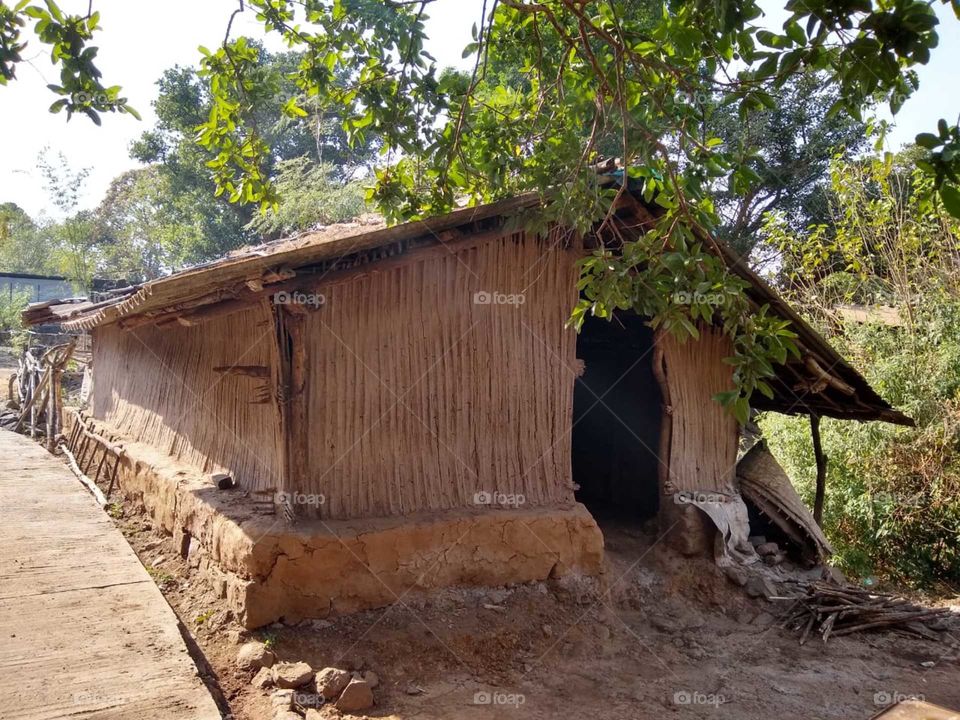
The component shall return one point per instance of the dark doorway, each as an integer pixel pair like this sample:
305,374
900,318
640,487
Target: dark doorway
617,414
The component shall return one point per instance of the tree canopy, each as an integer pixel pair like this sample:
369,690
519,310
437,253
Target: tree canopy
555,85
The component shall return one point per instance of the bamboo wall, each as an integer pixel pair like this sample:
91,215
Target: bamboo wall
418,397
159,386
703,434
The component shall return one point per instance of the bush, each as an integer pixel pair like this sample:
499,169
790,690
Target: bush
892,507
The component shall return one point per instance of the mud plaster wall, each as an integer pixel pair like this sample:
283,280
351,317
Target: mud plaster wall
703,437
420,395
159,386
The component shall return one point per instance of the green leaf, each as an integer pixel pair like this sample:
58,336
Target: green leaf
950,196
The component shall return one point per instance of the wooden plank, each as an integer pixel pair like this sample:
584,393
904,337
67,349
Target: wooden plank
86,631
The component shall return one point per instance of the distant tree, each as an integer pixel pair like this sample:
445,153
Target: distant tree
73,239
22,245
314,139
312,195
789,148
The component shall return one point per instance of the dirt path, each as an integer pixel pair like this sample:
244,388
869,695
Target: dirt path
672,638
85,631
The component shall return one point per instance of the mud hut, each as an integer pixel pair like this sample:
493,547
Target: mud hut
404,407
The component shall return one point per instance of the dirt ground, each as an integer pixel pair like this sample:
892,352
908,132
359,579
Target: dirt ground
667,637
8,366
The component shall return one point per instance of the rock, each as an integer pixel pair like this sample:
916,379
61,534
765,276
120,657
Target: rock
768,548
331,681
292,675
358,695
757,540
691,620
324,713
263,679
255,655
603,632
834,574
285,715
757,587
222,480
737,575
547,630
414,689
764,619
774,558
281,699
928,664
371,678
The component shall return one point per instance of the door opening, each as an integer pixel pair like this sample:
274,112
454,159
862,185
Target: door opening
617,414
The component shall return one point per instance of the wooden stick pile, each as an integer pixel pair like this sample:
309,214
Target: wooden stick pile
831,610
36,391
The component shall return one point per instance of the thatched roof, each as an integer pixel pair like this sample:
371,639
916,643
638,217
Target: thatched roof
821,382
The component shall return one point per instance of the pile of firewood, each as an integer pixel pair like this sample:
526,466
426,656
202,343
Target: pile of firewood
831,610
35,392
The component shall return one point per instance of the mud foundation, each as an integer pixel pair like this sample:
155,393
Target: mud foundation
267,569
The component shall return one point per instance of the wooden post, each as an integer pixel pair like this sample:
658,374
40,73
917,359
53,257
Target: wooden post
291,392
821,461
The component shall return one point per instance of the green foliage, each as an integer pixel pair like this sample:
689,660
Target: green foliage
312,150
310,196
893,494
669,276
69,39
10,326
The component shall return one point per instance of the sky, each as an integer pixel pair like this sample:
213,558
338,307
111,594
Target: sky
139,41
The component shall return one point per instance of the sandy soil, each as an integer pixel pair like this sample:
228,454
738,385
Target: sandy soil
668,637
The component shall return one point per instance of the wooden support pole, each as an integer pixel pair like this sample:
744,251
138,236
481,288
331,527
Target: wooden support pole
821,461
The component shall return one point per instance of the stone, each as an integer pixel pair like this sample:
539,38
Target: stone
292,675
263,679
768,548
764,619
371,678
324,713
255,655
757,540
774,558
834,574
758,587
737,575
331,681
414,689
222,480
547,631
281,699
357,695
285,715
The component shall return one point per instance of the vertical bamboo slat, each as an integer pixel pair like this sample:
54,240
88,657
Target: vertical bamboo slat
703,434
419,397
